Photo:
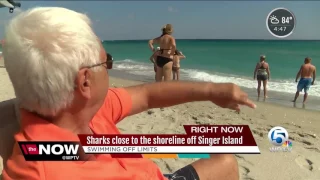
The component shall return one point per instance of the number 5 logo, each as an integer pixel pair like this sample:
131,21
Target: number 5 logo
278,135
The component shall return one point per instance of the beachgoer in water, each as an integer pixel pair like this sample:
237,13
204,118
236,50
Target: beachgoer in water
176,64
109,61
1,44
153,59
262,73
164,59
307,74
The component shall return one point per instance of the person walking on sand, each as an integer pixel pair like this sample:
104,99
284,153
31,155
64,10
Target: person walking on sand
165,55
176,64
262,73
153,59
307,74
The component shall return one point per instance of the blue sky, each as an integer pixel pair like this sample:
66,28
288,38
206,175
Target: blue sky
191,19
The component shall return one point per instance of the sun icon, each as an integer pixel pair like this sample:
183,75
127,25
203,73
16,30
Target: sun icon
274,19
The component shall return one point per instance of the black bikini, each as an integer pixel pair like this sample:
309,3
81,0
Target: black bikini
161,61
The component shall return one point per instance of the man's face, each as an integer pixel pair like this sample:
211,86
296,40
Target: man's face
92,86
101,83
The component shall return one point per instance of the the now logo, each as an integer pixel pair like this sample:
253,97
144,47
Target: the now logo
50,151
59,149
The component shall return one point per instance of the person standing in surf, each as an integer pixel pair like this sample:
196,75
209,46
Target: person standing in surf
307,74
153,59
176,65
164,59
1,45
262,73
109,60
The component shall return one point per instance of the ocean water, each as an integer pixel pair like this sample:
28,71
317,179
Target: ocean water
224,60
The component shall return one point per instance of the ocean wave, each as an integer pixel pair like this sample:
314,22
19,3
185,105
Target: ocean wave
133,67
146,69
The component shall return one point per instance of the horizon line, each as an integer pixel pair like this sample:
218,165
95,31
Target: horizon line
223,39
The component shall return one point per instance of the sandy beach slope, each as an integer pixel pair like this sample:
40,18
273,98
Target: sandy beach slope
303,163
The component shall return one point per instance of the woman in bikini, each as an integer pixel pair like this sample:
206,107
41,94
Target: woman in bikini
176,64
262,72
164,59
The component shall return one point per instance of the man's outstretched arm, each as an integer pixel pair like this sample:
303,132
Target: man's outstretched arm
164,94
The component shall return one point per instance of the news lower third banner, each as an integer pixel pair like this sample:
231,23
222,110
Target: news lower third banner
198,142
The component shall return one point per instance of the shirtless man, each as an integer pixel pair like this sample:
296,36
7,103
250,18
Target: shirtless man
164,60
176,64
307,74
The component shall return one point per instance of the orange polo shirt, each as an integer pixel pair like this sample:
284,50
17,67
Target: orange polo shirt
117,106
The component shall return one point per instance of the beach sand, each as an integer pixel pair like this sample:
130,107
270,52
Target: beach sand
303,126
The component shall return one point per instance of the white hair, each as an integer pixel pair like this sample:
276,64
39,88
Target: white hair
44,50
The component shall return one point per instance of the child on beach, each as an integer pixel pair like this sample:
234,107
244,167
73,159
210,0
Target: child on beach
176,64
153,59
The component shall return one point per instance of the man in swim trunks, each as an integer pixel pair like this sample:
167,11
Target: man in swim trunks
307,74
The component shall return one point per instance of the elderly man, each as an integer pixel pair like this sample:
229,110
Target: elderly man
58,69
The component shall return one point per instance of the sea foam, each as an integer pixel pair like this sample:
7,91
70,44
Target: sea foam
146,69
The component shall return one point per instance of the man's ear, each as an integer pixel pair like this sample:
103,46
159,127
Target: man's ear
83,83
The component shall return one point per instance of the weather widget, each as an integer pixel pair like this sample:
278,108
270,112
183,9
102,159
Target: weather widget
280,22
